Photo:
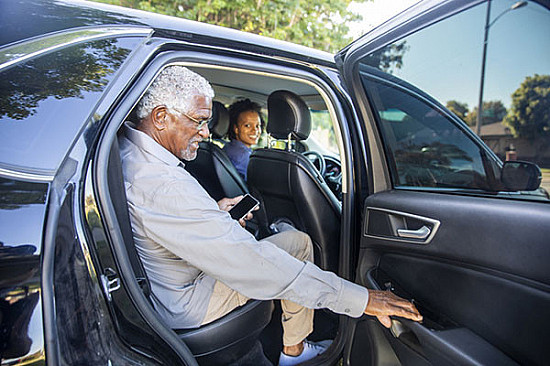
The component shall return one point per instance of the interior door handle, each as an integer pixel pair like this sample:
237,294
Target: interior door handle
421,233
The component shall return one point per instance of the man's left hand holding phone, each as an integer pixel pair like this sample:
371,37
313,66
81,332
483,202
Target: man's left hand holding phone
240,207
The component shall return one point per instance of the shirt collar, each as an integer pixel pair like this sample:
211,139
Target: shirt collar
146,143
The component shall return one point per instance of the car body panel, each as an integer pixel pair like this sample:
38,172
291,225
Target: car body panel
23,207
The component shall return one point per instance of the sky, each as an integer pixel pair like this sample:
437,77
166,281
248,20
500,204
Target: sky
376,12
445,59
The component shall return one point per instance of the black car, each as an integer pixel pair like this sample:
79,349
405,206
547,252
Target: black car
396,191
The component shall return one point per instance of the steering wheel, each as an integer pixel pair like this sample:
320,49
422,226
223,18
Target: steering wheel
315,157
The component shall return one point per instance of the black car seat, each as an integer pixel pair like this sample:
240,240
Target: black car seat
220,342
212,167
290,187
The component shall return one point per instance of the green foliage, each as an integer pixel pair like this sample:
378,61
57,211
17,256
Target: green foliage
493,111
61,74
320,24
388,58
460,109
530,113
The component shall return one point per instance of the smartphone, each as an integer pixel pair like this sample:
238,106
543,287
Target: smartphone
241,209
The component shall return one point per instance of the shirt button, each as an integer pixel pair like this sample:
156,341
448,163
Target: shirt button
347,310
319,304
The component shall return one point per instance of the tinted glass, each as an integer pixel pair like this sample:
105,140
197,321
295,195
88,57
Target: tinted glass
45,101
322,137
427,148
445,60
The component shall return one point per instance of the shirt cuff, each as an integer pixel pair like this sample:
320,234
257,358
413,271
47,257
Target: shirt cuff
352,299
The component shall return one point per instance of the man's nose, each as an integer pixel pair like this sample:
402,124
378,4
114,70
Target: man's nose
204,132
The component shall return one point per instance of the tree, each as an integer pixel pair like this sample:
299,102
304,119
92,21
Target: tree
320,24
65,73
387,58
460,109
493,111
529,115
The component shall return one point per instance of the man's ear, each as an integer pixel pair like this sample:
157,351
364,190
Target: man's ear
159,116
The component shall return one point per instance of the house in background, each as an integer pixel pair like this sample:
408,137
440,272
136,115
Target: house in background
500,139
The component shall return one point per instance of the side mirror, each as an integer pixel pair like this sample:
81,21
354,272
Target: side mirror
520,176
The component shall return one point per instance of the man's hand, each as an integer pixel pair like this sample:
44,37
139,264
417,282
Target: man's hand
226,204
382,304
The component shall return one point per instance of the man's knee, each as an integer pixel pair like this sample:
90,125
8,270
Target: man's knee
305,245
296,243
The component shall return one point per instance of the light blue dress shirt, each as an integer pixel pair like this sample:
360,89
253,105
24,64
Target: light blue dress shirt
186,242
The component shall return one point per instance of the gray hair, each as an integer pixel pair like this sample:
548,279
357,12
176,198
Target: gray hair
173,88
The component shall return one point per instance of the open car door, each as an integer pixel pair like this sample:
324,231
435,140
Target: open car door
442,223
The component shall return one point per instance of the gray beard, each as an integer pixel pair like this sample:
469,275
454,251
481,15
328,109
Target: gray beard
187,155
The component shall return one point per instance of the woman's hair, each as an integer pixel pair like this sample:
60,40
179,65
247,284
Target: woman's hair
239,107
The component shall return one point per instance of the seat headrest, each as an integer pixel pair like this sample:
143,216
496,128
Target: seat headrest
220,120
288,114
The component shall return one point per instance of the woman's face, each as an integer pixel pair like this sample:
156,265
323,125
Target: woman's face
248,128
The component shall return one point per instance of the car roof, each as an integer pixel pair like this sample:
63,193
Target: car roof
21,20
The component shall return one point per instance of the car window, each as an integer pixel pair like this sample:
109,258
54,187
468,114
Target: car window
508,80
322,138
61,87
427,148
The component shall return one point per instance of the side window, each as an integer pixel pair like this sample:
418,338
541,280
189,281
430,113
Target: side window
427,149
322,137
48,97
489,66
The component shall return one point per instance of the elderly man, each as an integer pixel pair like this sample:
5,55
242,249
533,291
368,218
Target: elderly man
201,263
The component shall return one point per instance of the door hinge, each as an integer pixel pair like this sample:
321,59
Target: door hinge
110,282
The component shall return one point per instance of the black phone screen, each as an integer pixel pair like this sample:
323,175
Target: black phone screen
244,206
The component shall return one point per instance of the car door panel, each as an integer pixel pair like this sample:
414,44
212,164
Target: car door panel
440,226
482,286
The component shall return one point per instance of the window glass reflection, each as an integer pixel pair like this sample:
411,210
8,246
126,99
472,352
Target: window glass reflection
45,101
427,149
518,76
445,60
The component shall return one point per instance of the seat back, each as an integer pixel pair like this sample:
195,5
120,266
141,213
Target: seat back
212,167
291,188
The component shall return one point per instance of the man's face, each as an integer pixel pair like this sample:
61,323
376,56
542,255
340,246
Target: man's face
248,128
182,137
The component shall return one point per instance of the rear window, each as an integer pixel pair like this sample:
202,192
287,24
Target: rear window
46,100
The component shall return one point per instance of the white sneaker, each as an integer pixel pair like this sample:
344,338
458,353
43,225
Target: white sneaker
311,350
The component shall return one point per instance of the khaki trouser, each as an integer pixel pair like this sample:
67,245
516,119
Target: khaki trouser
297,320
